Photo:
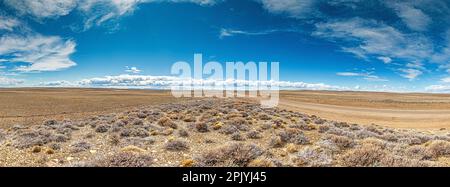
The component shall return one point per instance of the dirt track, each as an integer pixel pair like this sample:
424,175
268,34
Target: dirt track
421,119
422,111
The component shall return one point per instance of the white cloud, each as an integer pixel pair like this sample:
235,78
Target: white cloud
5,81
369,37
40,53
413,17
95,11
61,83
8,24
443,55
446,80
294,8
385,59
134,70
348,74
410,74
365,38
438,88
366,76
166,82
415,65
200,2
43,8
231,32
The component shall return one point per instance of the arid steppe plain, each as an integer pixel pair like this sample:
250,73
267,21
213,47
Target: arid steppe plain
30,106
113,127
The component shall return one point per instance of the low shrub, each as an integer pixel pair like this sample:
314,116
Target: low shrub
80,147
201,127
114,139
342,142
254,135
276,142
240,123
123,159
417,152
183,133
229,129
137,141
237,137
167,122
262,162
313,157
233,155
134,132
32,138
438,148
293,136
102,128
323,129
176,145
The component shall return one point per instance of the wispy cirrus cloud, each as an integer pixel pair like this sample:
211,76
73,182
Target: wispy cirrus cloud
412,16
385,59
293,8
370,37
8,24
96,12
410,74
232,32
39,53
365,75
42,8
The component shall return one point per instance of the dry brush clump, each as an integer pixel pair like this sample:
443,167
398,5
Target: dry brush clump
176,145
201,127
293,136
233,155
167,122
80,147
313,156
438,148
122,159
134,132
2,135
36,137
341,142
370,155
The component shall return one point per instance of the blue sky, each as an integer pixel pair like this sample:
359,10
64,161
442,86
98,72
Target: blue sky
339,44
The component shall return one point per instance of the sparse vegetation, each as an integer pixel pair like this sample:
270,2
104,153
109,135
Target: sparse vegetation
123,159
220,132
254,135
239,155
201,127
176,145
80,147
167,122
102,128
237,137
439,148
